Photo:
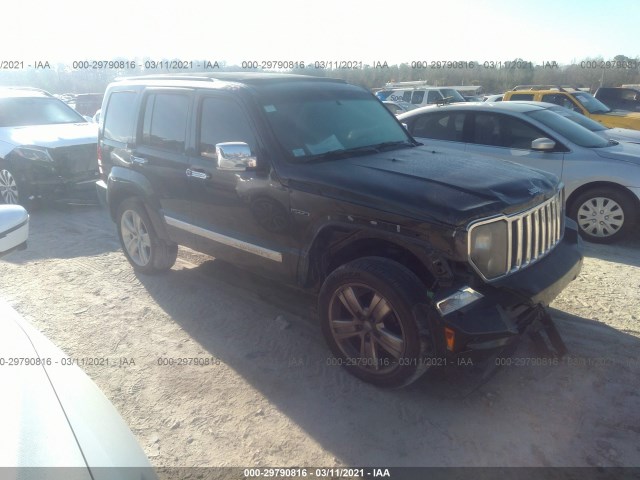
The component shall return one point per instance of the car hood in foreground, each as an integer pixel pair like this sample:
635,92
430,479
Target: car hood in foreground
431,184
55,416
50,136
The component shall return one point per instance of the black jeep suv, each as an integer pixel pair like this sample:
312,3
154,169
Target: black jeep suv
418,256
46,147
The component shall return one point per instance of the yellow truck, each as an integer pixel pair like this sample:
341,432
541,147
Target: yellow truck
577,100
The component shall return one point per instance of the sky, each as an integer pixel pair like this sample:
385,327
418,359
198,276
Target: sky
296,30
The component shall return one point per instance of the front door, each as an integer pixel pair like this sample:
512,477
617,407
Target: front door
241,216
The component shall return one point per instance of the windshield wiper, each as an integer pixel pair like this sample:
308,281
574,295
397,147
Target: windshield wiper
386,145
341,153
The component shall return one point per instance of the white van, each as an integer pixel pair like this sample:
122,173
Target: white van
418,93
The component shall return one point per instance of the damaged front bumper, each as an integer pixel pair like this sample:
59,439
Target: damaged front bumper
488,317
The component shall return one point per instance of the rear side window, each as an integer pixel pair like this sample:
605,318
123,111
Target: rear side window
417,97
119,115
165,121
440,126
434,96
521,96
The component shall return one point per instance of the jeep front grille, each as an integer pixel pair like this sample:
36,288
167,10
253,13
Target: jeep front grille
504,244
533,233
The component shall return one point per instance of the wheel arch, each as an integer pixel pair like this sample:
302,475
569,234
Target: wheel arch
600,184
336,245
135,185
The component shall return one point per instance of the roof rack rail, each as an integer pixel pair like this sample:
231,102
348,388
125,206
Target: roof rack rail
418,83
170,76
560,88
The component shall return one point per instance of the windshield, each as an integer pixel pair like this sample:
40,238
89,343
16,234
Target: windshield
591,103
570,130
20,111
586,122
312,122
450,92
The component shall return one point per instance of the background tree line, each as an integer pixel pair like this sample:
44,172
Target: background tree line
62,78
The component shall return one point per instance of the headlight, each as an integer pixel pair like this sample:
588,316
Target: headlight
489,248
33,154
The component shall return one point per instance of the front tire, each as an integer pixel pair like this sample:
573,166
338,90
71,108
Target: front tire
367,312
604,214
146,252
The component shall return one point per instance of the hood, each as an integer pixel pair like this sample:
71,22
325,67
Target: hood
50,136
34,427
621,134
56,416
624,152
430,184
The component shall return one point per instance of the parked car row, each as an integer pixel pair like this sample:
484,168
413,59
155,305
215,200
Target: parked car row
312,182
601,175
46,147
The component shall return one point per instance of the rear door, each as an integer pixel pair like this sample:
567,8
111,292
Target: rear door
159,153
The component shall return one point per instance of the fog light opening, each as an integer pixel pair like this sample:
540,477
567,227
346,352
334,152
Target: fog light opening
450,337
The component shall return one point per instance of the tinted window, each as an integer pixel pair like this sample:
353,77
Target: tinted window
521,96
417,97
15,112
561,100
118,117
165,121
406,97
434,96
222,120
440,126
504,131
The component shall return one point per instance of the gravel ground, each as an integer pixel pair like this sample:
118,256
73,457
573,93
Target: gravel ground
269,398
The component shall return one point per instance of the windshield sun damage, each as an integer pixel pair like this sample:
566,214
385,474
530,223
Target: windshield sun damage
18,112
311,125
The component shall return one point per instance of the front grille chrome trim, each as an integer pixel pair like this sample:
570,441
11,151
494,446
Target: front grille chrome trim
531,234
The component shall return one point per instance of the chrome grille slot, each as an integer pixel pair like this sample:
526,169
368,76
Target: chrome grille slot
535,232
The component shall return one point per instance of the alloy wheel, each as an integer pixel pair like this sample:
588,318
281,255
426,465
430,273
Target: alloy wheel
365,327
135,237
8,187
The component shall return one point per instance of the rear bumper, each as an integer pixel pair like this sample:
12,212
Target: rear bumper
511,306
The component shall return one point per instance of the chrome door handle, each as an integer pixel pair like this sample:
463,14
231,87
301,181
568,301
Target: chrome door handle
197,174
139,160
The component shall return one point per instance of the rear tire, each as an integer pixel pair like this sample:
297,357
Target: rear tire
604,214
367,312
146,252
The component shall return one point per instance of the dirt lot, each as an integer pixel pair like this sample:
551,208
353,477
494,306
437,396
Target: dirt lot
272,400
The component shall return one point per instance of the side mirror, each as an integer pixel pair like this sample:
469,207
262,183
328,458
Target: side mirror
14,228
234,156
543,144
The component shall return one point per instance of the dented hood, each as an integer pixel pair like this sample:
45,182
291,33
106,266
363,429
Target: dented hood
431,184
